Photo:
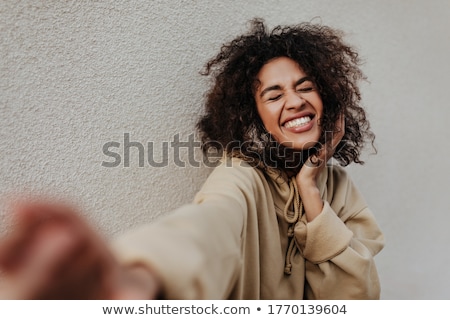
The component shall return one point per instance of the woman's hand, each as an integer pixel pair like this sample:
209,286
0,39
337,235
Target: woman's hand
52,253
307,177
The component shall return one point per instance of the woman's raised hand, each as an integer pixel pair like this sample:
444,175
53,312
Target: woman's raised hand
307,177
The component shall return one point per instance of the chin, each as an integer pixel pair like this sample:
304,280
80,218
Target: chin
300,145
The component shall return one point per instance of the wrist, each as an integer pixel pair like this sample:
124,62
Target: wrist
312,203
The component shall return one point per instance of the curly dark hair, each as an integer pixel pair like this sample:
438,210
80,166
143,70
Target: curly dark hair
231,122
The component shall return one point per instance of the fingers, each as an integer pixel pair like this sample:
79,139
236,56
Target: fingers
315,161
30,278
326,151
29,220
52,253
340,131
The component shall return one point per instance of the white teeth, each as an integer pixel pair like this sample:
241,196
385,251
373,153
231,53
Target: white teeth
297,122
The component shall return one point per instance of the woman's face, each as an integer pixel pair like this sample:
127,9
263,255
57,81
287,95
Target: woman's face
288,103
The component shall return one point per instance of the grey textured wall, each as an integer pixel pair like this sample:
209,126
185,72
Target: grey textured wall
78,74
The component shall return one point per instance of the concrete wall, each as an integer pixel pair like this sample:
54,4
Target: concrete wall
78,74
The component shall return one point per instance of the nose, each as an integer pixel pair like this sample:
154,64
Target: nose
294,100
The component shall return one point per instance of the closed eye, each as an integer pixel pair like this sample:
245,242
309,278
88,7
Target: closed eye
306,89
274,98
306,86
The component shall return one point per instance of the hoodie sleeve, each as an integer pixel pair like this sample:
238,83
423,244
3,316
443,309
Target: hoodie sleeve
196,249
339,245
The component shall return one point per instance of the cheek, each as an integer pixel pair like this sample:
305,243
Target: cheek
268,118
319,104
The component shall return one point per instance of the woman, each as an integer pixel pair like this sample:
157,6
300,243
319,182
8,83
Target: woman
273,221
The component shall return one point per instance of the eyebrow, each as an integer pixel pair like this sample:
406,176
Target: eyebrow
278,87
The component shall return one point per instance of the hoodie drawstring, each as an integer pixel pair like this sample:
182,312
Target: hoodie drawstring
294,198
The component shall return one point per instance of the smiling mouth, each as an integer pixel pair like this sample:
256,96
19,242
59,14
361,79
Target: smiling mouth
299,122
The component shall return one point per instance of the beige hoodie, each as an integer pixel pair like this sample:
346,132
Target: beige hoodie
244,237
